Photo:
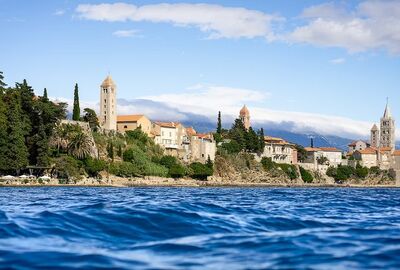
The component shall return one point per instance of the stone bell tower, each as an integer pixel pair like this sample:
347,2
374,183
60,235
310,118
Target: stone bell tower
244,115
388,128
108,104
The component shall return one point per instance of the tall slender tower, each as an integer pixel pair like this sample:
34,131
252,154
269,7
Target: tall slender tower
108,104
244,115
374,136
388,128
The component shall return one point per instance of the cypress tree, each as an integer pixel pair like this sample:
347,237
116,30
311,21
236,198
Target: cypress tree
219,123
261,142
45,97
76,113
16,155
110,151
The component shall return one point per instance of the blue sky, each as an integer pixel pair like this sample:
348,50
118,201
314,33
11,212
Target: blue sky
327,65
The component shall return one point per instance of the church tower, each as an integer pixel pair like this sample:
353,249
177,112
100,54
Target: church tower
108,104
245,117
387,129
374,136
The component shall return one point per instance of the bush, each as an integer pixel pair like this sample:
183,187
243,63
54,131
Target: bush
268,164
67,167
361,172
290,170
232,147
331,172
306,175
177,171
143,163
168,161
200,171
124,169
94,166
375,170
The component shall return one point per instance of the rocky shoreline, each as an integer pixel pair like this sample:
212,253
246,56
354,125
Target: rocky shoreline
115,181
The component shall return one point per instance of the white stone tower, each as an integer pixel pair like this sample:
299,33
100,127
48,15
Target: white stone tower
388,128
244,115
108,104
374,136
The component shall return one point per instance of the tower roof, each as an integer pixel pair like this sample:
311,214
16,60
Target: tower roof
374,128
244,111
387,113
108,82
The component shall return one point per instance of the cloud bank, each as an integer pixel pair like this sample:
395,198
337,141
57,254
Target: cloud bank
218,21
371,25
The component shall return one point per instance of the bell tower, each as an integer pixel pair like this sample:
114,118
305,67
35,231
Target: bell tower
244,115
108,104
388,129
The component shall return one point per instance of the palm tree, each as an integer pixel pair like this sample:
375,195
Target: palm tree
80,145
60,138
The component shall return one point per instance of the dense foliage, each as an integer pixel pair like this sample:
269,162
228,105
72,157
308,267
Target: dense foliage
289,169
343,173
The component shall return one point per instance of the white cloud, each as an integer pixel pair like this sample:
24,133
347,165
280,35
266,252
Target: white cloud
208,100
59,12
371,25
338,61
126,33
217,20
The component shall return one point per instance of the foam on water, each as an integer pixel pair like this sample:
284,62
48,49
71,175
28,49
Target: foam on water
199,228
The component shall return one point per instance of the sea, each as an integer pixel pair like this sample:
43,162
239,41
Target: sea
199,228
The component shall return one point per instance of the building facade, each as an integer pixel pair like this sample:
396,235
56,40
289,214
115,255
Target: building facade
108,104
132,122
358,145
279,150
387,132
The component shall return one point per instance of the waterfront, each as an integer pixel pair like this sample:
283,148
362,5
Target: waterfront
197,228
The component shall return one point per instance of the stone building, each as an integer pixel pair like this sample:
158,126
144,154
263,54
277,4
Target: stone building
358,145
244,115
108,104
387,132
132,122
279,150
202,147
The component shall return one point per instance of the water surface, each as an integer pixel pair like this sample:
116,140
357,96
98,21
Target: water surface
199,228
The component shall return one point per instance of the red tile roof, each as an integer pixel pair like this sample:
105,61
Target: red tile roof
129,118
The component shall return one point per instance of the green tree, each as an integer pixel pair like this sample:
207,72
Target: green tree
42,143
219,123
261,140
306,175
2,83
45,97
3,130
16,154
76,113
301,153
200,171
80,145
252,141
238,133
110,150
90,116
119,152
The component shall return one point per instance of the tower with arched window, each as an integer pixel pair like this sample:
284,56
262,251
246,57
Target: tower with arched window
108,104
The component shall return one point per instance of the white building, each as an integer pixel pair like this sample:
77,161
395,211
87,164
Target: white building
108,104
279,150
332,155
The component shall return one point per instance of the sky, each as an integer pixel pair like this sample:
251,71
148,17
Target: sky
323,66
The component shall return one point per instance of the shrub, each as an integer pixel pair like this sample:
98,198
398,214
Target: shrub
306,175
67,167
375,170
290,170
268,164
94,166
200,171
232,147
361,172
124,169
143,163
177,171
168,161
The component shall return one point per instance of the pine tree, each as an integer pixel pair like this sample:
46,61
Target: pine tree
110,151
91,117
42,146
261,140
252,141
219,123
76,113
238,133
16,155
3,131
2,83
45,97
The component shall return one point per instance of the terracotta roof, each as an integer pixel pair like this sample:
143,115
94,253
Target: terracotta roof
368,151
244,110
385,149
204,136
168,124
330,149
129,118
396,153
312,149
191,131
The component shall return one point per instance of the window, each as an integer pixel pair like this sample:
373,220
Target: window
125,127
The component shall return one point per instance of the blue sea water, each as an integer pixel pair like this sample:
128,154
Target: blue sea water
199,228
